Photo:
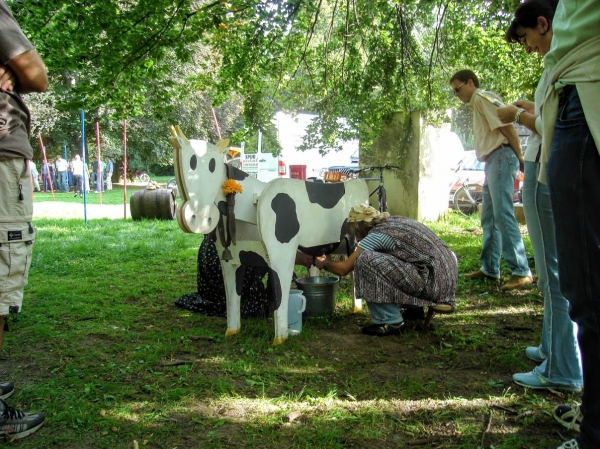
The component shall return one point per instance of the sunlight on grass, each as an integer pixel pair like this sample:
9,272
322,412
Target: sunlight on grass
110,359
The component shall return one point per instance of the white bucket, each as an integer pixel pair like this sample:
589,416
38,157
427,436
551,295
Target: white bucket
296,305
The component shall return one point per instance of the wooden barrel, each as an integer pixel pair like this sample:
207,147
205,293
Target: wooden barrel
153,204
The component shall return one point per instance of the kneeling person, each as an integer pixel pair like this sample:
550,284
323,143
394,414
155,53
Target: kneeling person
399,262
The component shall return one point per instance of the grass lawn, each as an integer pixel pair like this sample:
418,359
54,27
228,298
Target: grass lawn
103,351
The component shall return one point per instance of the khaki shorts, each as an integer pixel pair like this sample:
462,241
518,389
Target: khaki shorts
16,232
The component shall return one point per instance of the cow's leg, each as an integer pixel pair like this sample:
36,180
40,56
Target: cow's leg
233,298
282,268
357,301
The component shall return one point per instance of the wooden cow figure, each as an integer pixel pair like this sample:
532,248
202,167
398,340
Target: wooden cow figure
271,219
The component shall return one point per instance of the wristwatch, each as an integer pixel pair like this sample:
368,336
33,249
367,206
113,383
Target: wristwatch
518,115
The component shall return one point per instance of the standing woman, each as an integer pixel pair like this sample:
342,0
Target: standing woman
558,354
399,262
77,169
571,147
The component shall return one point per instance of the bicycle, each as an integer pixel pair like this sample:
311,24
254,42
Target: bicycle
172,183
467,198
142,176
380,189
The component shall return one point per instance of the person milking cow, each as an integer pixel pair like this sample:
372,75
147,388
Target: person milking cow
399,266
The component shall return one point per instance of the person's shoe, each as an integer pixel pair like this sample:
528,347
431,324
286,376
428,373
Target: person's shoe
533,380
535,354
516,282
15,424
80,195
413,313
479,275
569,417
6,389
571,444
75,194
383,330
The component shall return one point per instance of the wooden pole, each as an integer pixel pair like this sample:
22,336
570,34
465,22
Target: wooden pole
124,168
45,164
99,180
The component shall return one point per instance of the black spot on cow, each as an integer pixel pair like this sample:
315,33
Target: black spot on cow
275,288
211,165
239,175
222,206
325,195
286,218
193,162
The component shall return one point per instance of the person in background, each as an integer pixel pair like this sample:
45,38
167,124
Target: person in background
498,145
34,176
558,354
570,116
86,178
110,166
46,175
77,170
399,262
62,168
52,175
21,71
95,174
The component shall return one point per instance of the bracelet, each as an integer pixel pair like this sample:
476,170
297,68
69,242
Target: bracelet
518,115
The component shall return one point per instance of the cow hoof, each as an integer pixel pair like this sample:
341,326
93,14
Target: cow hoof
230,332
278,340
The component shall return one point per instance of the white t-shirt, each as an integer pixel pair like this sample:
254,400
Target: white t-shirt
77,165
61,165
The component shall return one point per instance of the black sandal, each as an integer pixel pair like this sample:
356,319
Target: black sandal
383,330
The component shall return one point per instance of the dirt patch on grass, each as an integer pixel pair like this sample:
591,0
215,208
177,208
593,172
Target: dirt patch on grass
59,209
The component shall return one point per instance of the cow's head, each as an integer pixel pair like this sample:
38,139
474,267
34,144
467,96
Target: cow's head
200,173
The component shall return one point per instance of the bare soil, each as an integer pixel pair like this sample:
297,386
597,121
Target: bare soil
59,209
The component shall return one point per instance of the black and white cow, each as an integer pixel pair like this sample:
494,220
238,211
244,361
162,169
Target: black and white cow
272,220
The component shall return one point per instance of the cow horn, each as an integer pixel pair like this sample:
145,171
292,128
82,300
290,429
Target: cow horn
177,132
222,144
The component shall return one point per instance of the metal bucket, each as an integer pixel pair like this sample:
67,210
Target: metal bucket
319,292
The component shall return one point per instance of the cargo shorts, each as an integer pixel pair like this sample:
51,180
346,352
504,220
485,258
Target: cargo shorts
16,232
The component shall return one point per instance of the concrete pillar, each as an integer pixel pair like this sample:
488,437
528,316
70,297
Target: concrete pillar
420,190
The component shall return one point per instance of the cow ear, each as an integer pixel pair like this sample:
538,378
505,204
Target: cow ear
222,144
177,132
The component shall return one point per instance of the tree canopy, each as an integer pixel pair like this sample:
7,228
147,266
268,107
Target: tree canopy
357,59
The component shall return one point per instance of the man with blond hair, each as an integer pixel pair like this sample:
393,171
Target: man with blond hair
498,145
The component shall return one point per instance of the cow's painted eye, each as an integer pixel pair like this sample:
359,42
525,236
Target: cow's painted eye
193,162
211,165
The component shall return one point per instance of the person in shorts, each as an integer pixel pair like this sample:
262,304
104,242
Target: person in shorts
21,71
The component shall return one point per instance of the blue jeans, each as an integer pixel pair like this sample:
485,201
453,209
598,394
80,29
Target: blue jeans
501,234
559,341
574,184
63,183
385,312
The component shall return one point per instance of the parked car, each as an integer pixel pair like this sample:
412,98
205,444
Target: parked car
473,171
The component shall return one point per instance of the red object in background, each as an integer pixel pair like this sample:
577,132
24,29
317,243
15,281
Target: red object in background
298,172
281,169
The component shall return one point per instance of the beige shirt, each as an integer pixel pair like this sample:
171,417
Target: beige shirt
486,125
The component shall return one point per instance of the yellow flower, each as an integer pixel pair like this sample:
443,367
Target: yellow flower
232,186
